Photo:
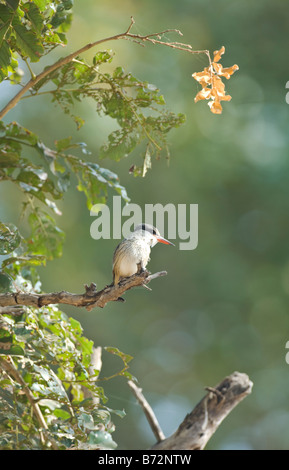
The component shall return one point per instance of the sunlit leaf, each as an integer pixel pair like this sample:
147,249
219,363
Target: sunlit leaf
46,238
213,89
218,54
101,439
28,43
9,238
26,260
126,358
59,413
33,14
147,162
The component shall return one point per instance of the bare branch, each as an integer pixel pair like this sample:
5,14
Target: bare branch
199,425
148,411
90,299
16,311
94,370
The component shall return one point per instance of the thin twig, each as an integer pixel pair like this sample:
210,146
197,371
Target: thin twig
148,411
30,69
16,311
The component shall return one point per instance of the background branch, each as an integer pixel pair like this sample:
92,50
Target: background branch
199,425
148,411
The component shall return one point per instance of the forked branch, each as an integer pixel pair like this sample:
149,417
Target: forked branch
199,425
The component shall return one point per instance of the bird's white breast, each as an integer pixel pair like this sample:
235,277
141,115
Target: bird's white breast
137,252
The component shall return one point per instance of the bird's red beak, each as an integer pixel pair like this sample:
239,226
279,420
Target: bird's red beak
163,240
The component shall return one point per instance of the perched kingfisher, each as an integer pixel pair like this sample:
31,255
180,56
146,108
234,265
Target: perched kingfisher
134,251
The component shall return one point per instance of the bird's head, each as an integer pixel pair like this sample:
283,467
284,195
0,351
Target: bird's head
150,234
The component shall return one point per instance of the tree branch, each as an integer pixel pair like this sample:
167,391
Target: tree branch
199,425
152,38
16,311
90,299
148,411
95,366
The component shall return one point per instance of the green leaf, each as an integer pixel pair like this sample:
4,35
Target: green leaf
13,4
5,58
33,14
9,238
41,4
76,325
5,13
101,439
62,414
28,42
125,357
32,178
3,31
120,143
86,420
86,345
94,181
5,283
46,238
102,57
27,260
15,350
63,144
9,159
68,4
119,413
19,133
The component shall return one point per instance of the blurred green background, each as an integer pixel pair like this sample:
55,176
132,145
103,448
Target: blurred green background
224,306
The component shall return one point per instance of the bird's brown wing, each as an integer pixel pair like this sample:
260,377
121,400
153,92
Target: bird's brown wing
117,256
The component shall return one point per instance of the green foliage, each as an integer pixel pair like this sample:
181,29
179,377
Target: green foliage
50,353
9,238
43,182
46,351
29,30
136,106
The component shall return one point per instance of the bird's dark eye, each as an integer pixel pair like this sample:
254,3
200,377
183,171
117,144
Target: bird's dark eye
154,232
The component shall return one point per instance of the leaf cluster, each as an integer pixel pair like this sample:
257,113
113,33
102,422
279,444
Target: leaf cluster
137,107
28,30
48,349
52,399
43,176
52,357
213,88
